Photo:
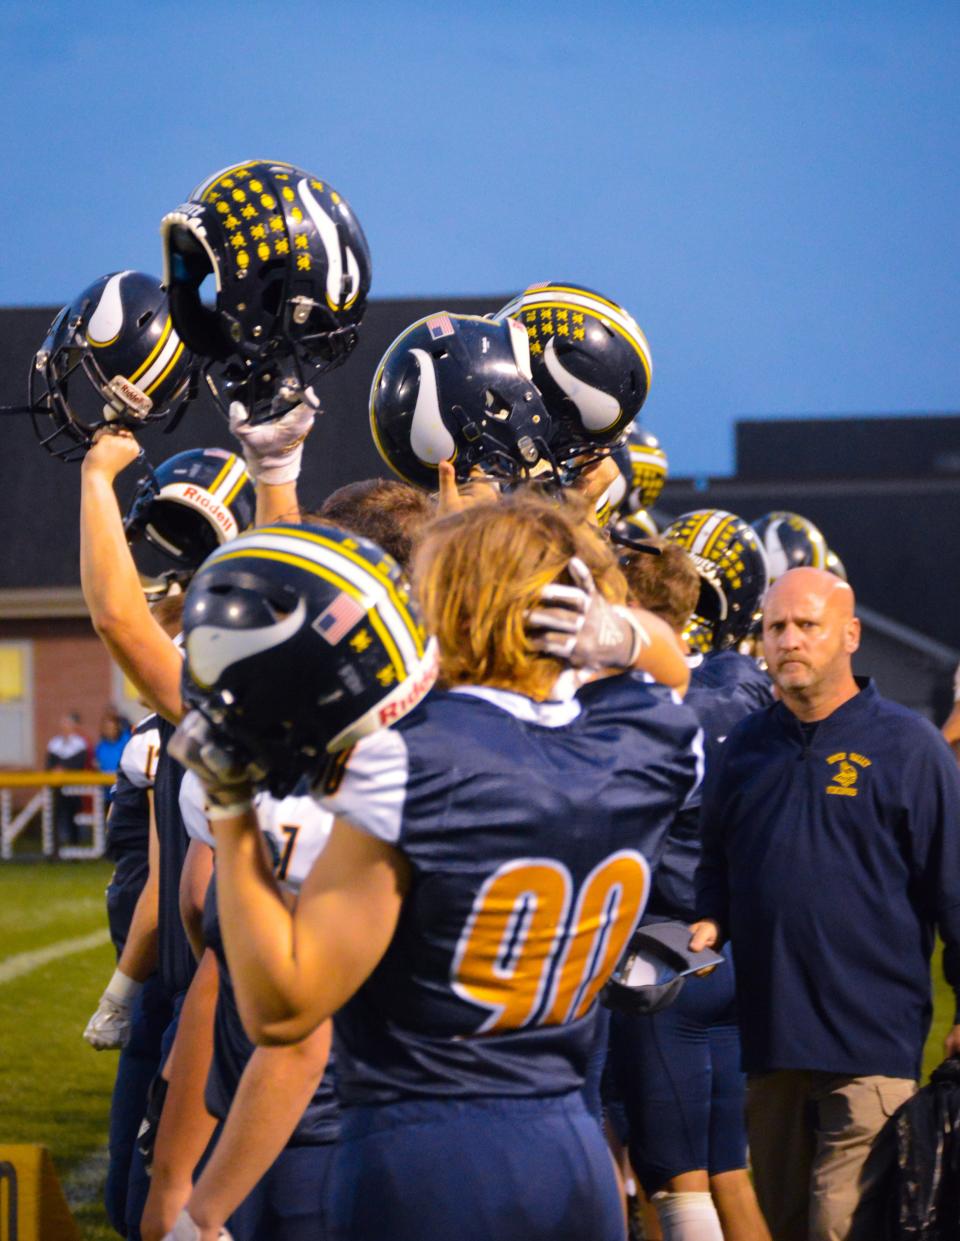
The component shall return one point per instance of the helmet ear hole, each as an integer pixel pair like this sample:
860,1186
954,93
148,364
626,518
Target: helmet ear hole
145,318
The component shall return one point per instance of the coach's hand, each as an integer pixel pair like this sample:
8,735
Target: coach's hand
114,448
705,934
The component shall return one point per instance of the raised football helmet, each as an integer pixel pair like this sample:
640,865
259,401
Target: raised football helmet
458,387
291,270
733,575
835,565
300,640
187,507
589,359
112,356
643,467
790,542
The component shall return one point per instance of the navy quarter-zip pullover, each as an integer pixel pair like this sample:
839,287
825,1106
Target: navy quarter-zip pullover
830,853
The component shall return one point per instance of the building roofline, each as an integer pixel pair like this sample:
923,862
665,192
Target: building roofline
42,603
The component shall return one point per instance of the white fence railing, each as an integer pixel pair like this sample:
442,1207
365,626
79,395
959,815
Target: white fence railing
16,815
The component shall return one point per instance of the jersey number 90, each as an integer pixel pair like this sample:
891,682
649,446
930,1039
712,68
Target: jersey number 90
534,951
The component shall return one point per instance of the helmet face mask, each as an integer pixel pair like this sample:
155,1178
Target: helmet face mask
733,576
299,641
111,357
458,387
590,361
291,270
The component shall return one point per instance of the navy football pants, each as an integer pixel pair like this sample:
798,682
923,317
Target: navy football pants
138,1063
474,1169
678,1073
288,1202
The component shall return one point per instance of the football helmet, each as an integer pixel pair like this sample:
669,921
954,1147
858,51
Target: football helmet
112,356
458,387
835,565
589,359
291,270
300,640
790,542
187,507
643,467
733,574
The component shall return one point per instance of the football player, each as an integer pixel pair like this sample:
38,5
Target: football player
484,871
276,1106
678,1069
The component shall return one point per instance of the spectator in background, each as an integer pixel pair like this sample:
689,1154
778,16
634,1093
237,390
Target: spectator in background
67,751
114,735
831,851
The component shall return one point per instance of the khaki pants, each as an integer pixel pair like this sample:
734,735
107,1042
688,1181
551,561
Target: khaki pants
810,1134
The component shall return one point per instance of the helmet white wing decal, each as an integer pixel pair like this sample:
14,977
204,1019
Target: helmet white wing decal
211,649
598,410
777,562
429,438
107,320
520,344
353,277
330,237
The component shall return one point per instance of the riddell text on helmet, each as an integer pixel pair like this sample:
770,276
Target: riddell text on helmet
391,711
201,499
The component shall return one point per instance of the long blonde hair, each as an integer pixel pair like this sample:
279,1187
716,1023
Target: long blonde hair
478,572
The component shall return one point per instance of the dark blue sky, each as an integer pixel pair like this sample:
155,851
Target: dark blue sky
772,189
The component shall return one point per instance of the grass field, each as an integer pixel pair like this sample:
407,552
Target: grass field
55,1089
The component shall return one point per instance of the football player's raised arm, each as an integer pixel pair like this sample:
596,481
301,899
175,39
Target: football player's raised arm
294,968
276,1086
273,452
111,585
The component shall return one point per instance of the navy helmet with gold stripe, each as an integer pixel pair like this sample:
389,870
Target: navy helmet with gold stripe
299,641
643,470
187,507
458,388
590,360
290,270
112,356
733,575
791,541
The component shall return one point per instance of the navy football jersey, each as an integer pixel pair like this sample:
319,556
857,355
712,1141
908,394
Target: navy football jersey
128,825
176,963
724,687
530,829
295,829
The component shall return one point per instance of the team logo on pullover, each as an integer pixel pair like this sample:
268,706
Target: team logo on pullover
843,781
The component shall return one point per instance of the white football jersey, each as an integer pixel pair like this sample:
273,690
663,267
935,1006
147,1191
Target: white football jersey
296,828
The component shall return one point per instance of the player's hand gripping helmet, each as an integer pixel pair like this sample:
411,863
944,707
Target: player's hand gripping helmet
458,386
590,360
643,471
291,269
733,576
187,507
790,542
300,640
111,356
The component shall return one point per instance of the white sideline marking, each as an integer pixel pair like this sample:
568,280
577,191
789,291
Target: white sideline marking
23,962
84,1184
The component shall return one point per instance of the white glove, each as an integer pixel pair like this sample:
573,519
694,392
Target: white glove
581,628
109,1027
224,774
273,450
187,1229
